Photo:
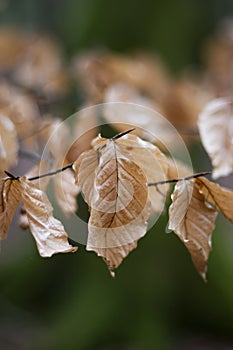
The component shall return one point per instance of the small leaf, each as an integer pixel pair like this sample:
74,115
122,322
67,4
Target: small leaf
216,131
48,232
84,172
192,220
66,191
11,191
220,197
8,143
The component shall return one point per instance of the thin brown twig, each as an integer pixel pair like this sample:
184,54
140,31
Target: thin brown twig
193,176
51,173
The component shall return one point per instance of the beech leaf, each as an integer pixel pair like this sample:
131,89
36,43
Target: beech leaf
66,191
9,199
220,197
8,143
115,188
192,220
118,217
84,172
153,163
216,131
48,232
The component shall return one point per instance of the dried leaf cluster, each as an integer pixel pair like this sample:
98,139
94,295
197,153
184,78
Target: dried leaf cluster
125,180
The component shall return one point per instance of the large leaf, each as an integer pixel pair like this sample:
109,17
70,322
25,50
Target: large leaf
216,131
115,188
11,191
48,232
118,216
193,222
220,197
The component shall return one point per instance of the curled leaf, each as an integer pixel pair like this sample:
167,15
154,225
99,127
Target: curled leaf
11,191
66,191
48,232
8,143
192,220
220,197
216,131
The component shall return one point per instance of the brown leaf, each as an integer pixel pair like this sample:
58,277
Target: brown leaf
152,162
118,217
20,108
192,220
8,143
66,191
55,133
115,188
216,131
143,114
220,197
40,168
48,232
84,172
42,66
12,43
11,192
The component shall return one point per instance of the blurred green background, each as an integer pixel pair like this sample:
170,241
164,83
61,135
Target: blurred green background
157,300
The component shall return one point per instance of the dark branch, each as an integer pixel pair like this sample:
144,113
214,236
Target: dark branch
117,136
193,176
69,166
11,176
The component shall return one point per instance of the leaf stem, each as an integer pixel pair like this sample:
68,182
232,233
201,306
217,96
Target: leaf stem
193,176
11,176
68,166
120,134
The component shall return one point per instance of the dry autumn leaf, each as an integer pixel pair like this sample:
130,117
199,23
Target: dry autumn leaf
115,187
216,131
117,215
220,197
8,143
66,191
150,124
48,232
152,162
192,220
11,192
55,134
20,107
84,169
41,183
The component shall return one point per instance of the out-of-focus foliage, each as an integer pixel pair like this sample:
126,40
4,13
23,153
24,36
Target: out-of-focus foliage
96,52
